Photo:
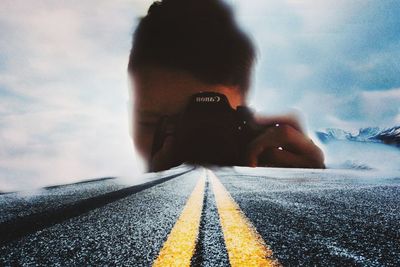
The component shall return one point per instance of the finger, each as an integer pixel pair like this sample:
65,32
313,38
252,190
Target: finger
285,159
285,137
295,141
163,159
291,120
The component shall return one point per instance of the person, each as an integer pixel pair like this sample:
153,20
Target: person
182,47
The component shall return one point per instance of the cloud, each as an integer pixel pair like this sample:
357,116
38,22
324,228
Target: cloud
381,107
359,109
64,100
323,57
64,112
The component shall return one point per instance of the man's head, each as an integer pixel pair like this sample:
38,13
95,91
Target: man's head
182,47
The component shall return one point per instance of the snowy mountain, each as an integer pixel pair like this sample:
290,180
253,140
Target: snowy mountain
389,136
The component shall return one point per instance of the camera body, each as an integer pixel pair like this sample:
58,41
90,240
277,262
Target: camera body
208,132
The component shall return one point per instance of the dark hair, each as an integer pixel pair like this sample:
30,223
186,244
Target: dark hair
197,36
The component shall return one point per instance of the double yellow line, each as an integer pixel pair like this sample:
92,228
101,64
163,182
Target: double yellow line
244,245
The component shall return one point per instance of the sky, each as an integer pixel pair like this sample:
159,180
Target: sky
64,91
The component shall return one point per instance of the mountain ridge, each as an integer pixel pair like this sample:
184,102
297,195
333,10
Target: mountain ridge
388,136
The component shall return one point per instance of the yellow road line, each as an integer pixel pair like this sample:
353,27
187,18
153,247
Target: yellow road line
180,245
244,245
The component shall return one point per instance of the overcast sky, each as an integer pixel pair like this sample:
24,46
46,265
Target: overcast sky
64,101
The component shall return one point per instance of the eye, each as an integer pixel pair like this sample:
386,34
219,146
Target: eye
147,119
147,124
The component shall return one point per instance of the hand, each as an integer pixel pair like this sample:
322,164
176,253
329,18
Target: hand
162,160
283,144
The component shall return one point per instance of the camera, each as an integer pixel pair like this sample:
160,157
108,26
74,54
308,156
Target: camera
208,132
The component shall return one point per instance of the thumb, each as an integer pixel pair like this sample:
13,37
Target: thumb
163,159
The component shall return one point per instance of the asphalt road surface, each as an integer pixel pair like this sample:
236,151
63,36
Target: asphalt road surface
208,217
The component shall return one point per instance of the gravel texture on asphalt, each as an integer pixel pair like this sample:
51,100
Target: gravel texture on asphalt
210,249
20,204
307,217
128,232
321,218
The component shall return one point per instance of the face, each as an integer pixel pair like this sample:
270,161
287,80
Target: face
158,92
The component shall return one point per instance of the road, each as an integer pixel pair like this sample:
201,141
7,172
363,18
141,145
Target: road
208,217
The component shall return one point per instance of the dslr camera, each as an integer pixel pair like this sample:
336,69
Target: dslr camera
208,132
